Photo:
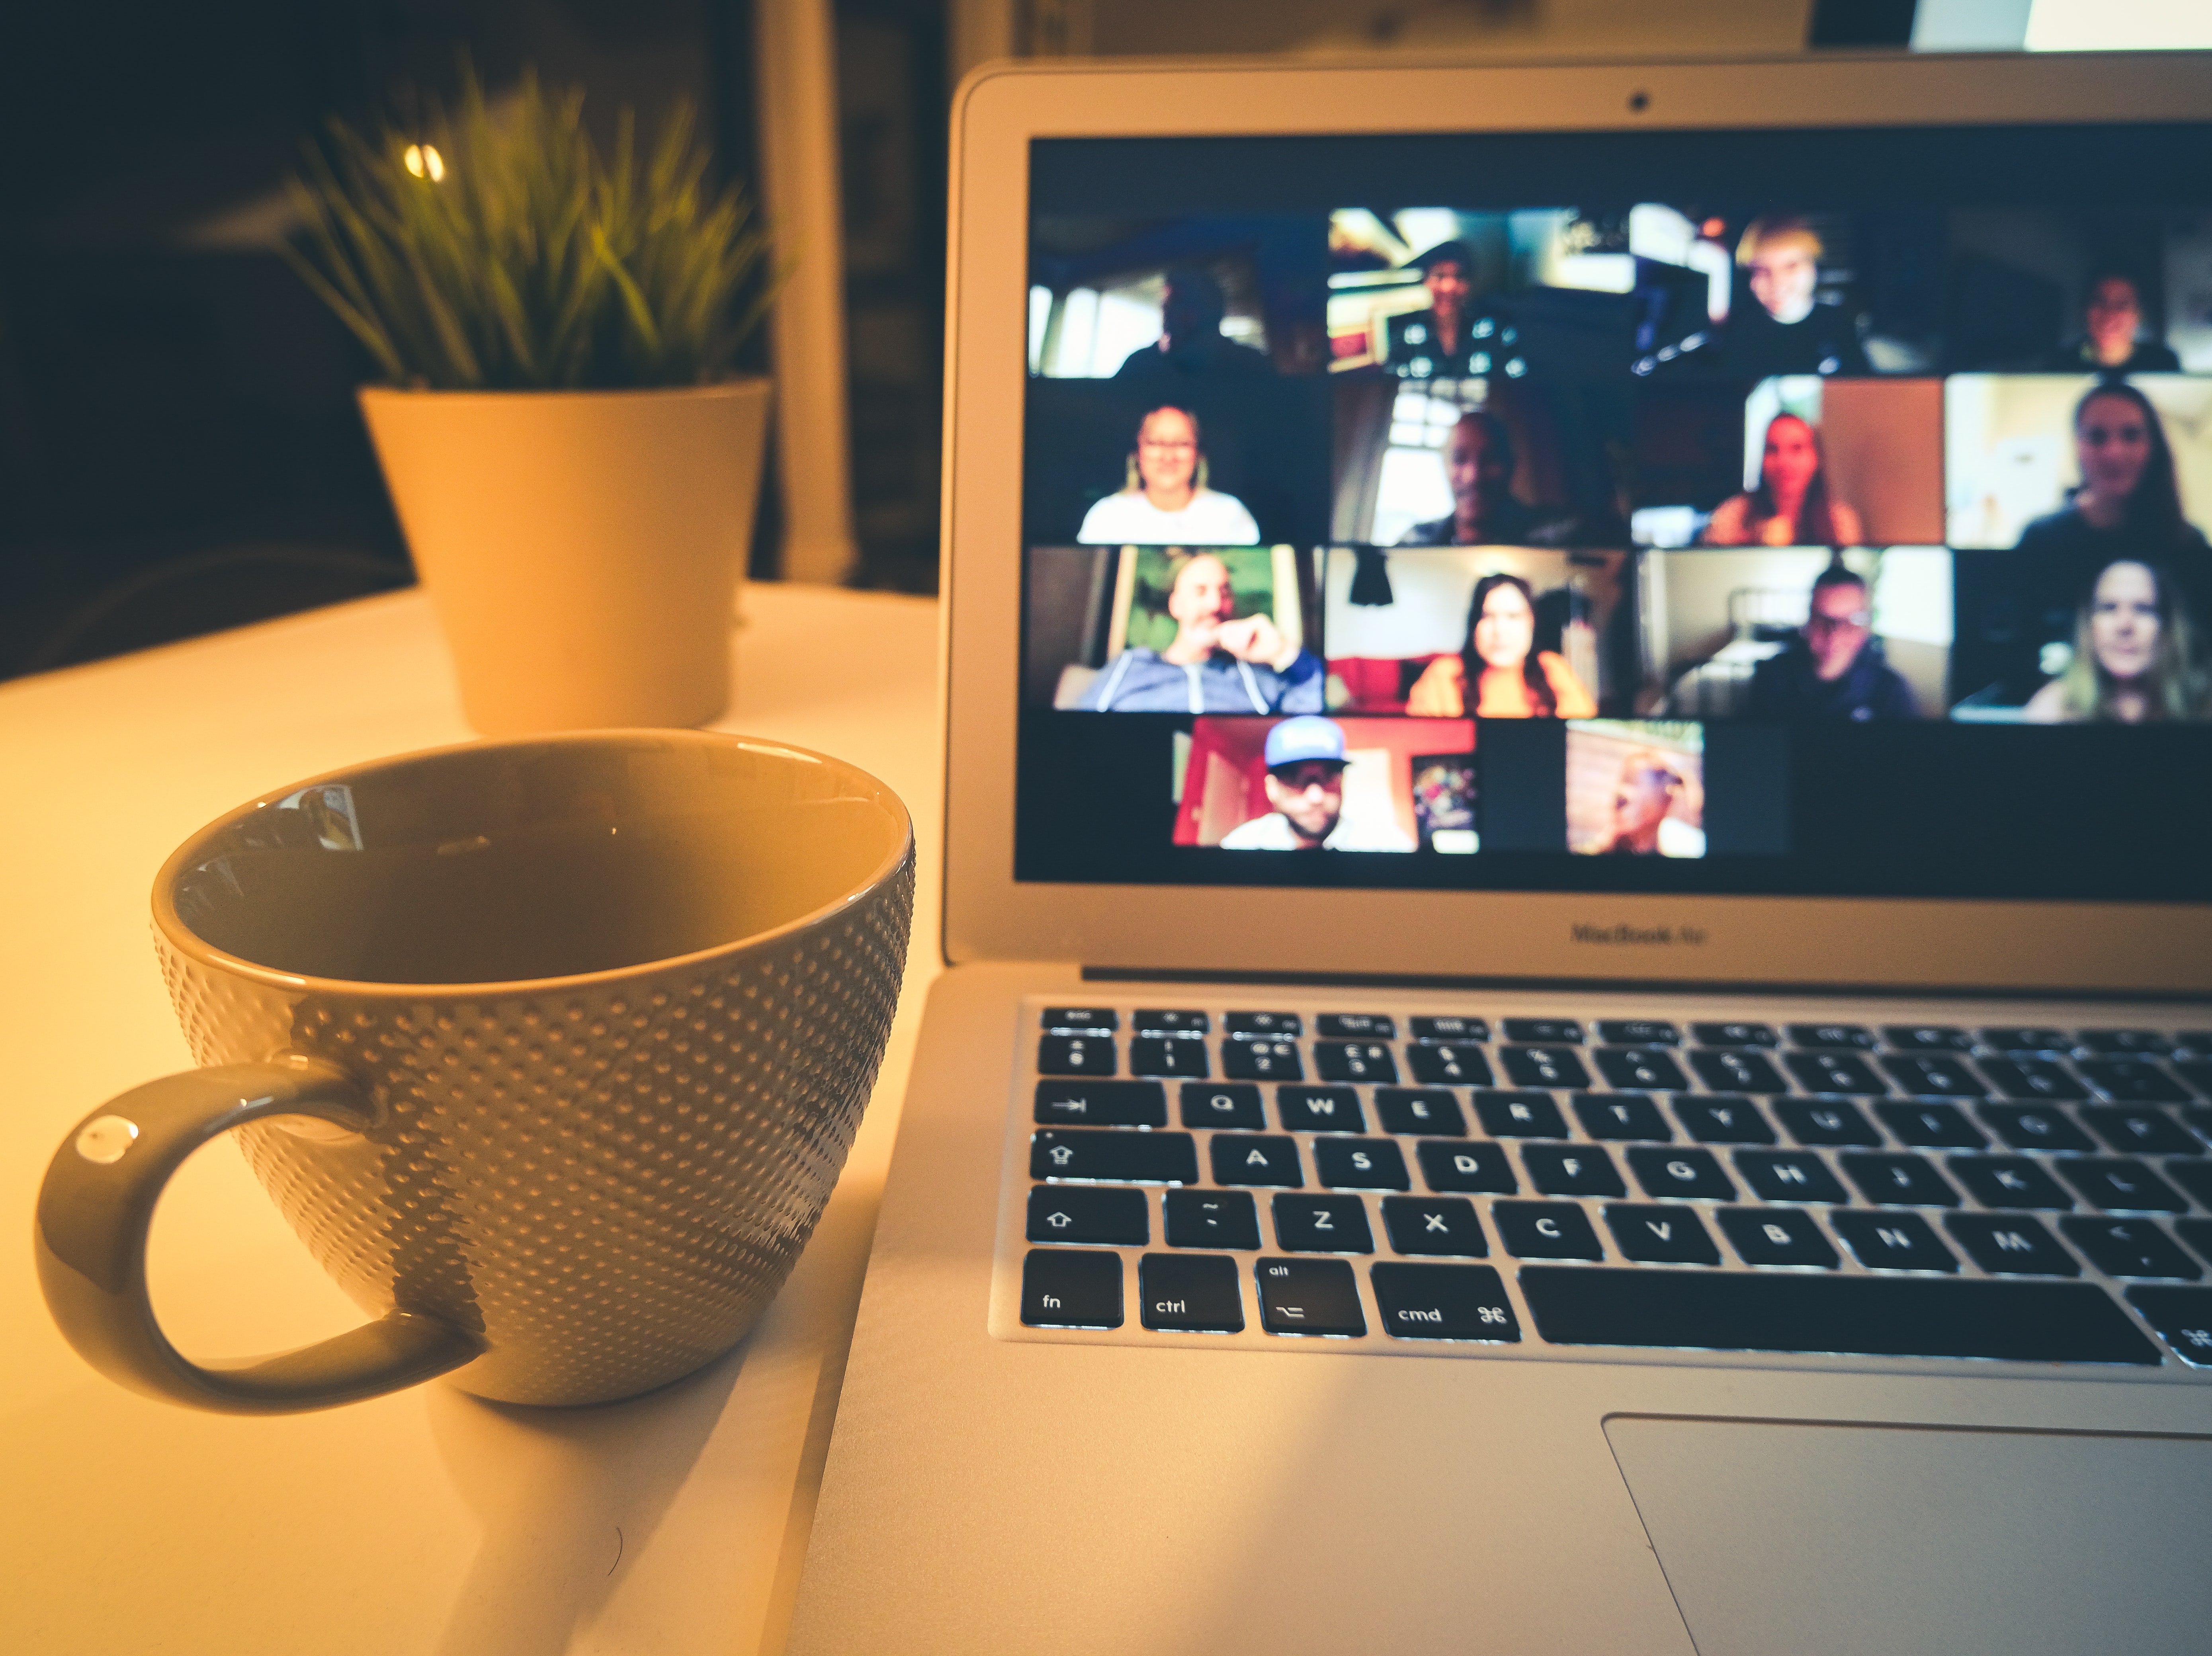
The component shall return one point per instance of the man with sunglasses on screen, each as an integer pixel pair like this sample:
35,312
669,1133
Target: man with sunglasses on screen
1833,670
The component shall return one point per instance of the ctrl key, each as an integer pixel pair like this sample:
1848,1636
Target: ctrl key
1064,1288
1195,1293
1444,1302
1309,1296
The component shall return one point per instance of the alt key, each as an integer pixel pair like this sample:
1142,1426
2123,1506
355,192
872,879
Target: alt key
1309,1296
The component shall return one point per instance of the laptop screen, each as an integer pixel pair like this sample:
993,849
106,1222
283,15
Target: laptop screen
1809,513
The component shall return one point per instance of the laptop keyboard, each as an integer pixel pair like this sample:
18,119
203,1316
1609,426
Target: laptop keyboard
1452,1182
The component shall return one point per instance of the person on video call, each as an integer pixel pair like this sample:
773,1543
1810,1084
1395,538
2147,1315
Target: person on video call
1216,665
1435,344
1513,679
1787,330
2132,658
1191,341
1644,803
1305,788
1478,464
1165,502
1792,506
1834,668
2111,339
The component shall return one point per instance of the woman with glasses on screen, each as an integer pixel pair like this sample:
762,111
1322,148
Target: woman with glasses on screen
1509,676
2131,657
1165,502
1792,505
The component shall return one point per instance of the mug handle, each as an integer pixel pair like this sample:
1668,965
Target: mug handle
96,1208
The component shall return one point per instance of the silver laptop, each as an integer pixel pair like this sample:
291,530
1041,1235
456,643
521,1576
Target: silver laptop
1577,889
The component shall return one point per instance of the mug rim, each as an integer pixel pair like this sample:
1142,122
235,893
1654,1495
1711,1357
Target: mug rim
190,944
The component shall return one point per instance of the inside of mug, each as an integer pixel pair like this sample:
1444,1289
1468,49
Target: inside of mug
520,860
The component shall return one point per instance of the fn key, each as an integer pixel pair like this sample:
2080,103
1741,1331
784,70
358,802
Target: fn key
1063,1287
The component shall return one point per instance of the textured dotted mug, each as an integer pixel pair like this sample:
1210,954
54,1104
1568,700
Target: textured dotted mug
550,1050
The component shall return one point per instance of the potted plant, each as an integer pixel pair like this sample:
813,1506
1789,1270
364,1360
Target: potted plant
573,465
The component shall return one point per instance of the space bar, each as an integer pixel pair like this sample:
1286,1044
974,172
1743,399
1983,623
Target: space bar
1859,1316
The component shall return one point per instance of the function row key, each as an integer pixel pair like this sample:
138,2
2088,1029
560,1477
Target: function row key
1080,1020
1157,1022
1262,1026
1449,1029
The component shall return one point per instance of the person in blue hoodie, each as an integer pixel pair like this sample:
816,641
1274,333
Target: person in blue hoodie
1833,670
1216,664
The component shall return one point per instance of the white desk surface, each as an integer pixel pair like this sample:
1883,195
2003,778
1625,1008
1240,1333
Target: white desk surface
430,1521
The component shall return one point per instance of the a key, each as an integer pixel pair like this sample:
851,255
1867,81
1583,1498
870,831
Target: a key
1544,1230
2140,1133
1113,1158
1546,1031
1633,1068
1731,1071
2025,1127
1355,1025
1660,1235
1321,1224
1835,1072
2183,1317
2008,1181
2010,1245
2033,1078
1224,1104
1733,1035
1543,1066
1450,1064
2132,1081
1476,1030
1167,1055
1443,1302
1430,1110
1354,1060
1722,1120
1901,1181
1170,1022
1572,1170
1460,1165
1829,1122
1254,1159
1064,1289
1080,1020
1637,1032
1788,1176
1434,1224
1309,1296
1360,1164
1832,1037
1680,1175
1073,1213
1620,1116
1519,1115
1101,1103
1263,1025
1931,1127
2128,1247
1933,1077
2119,1185
1319,1109
1210,1218
1260,1060
1776,1237
1076,1055
1892,1242
1193,1293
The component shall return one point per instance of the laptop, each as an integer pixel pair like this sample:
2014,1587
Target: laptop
1579,1009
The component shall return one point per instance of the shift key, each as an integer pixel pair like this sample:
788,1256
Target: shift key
1117,1158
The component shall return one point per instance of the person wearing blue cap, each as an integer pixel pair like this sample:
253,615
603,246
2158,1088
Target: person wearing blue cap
1305,785
1216,665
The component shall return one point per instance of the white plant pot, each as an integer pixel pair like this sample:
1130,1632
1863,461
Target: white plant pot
582,549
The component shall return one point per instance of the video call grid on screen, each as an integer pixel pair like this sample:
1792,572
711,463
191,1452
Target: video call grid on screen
1806,512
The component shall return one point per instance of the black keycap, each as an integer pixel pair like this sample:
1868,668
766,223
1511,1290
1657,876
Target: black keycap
1260,1060
1933,1077
2197,1072
2033,1078
2199,1119
1113,1158
2129,1248
1230,1104
1444,1302
2197,1233
1722,1120
1620,1116
1778,1237
1828,1123
2141,1133
1101,1103
1906,1181
1319,1109
2025,1127
1545,1031
1321,1224
1353,1060
1309,1296
1729,1072
1926,1037
2010,1245
1170,1022
2008,1181
1434,1224
1418,1110
1543,1066
1733,1035
2132,1081
1075,1055
1449,1065
1892,1242
2124,1040
1449,1166
1355,1025
1063,1288
1634,1069
2028,1038
1835,1072
1070,1213
1360,1164
1167,1055
1832,1037
1080,1020
1193,1293
1210,1218
1544,1230
1255,1159
1865,1316
1519,1115
1659,1235
1263,1025
1451,1029
1572,1170
1788,1176
1680,1175
2195,1178
2183,1316
1637,1032
1931,1127
2119,1185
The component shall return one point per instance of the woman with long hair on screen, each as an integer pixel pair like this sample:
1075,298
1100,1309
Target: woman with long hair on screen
1511,678
1792,505
2132,661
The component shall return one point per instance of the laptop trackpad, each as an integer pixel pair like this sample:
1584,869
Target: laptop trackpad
1812,1539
